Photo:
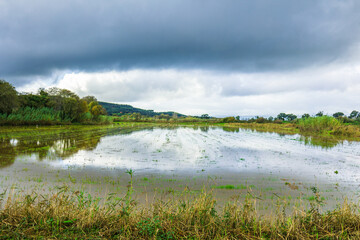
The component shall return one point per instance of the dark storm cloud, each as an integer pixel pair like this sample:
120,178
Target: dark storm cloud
40,37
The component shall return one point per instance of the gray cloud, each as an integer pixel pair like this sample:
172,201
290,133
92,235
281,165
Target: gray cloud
41,37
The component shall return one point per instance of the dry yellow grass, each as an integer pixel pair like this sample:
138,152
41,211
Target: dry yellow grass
70,216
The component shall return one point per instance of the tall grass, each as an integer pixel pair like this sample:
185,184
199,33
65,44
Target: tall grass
319,124
328,125
78,215
47,116
312,126
30,116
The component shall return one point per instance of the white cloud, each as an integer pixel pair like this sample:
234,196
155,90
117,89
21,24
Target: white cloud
331,88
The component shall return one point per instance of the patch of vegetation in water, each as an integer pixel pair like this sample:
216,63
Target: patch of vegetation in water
230,187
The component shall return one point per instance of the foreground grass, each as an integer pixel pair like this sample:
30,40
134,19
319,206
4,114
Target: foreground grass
76,215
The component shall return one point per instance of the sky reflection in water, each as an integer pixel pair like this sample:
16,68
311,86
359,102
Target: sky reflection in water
188,149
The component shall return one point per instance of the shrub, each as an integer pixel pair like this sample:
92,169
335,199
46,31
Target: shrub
228,120
278,121
261,120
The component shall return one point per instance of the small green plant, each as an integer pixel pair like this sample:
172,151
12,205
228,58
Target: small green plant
149,227
128,198
73,180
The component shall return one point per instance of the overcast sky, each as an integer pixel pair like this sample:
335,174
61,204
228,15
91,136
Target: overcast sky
228,57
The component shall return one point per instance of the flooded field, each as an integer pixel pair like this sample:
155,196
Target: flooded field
171,162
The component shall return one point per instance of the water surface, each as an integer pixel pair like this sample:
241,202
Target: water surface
99,157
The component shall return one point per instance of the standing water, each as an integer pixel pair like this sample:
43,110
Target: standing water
96,159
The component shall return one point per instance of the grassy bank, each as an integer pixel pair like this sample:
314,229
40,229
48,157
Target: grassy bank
312,126
77,215
328,126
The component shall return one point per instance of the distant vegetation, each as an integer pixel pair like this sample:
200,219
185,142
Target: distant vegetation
121,109
47,106
338,124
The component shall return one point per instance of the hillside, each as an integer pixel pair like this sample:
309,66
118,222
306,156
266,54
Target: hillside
121,109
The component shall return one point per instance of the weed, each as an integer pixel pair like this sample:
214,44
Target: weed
73,180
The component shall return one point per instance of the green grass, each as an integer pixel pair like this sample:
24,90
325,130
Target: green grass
319,124
30,116
47,116
316,127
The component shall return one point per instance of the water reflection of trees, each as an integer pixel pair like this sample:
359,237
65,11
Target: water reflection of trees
65,144
326,142
7,153
231,129
53,146
323,142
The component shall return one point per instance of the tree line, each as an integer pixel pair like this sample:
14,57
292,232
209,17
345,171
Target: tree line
353,117
47,106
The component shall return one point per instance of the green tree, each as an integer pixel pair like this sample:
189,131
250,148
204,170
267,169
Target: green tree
68,103
281,116
8,97
71,109
290,117
90,99
34,100
92,104
338,114
319,114
354,115
83,106
305,115
96,110
205,116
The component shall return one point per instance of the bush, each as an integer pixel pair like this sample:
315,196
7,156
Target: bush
278,121
261,120
228,120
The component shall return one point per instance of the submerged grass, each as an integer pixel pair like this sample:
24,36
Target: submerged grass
67,215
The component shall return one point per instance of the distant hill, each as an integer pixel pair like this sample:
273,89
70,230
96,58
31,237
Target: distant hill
121,109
